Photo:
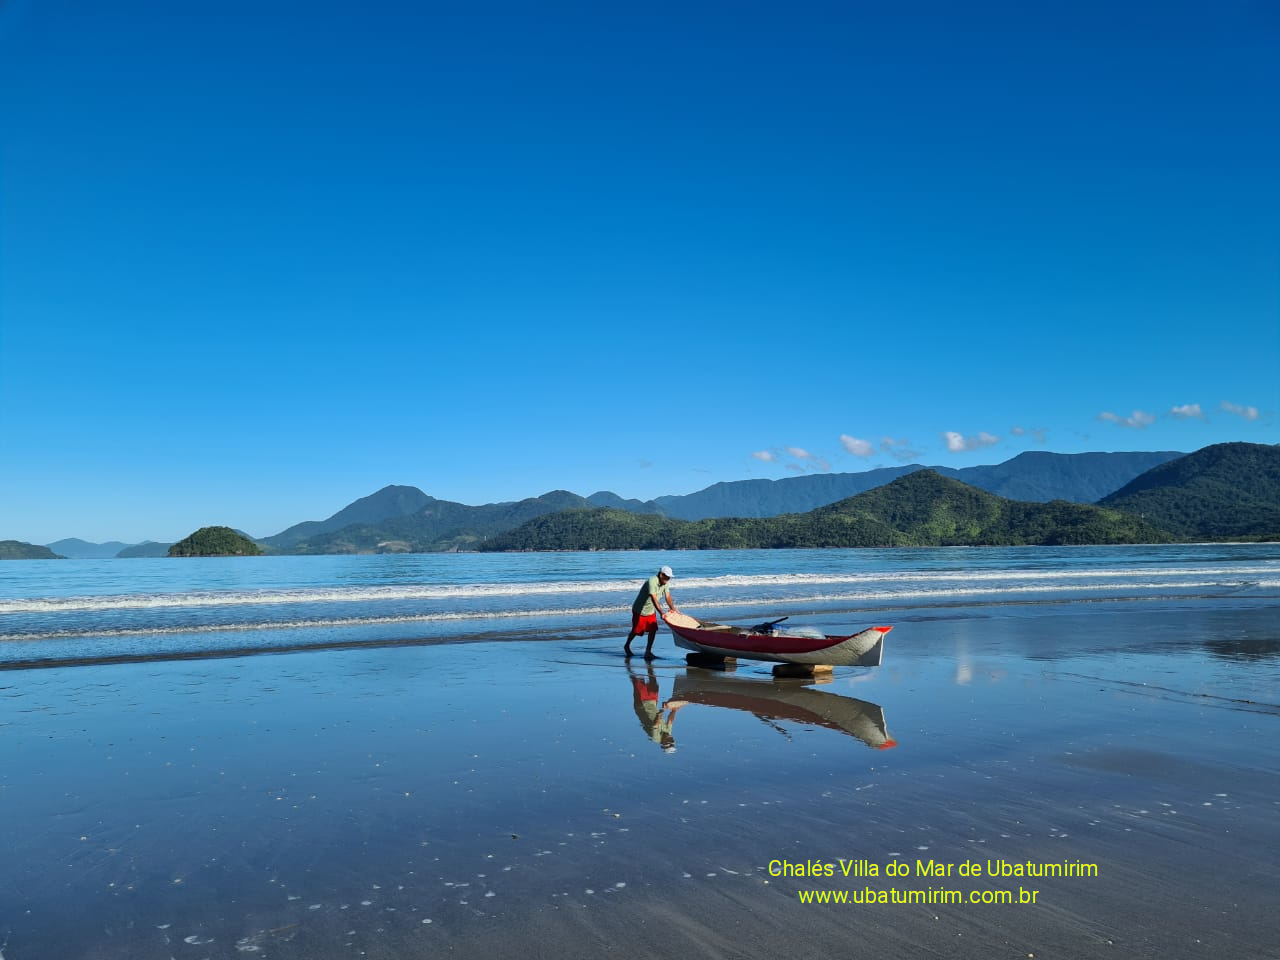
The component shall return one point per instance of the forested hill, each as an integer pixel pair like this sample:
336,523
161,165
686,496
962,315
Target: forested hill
1225,491
920,509
20,550
391,501
215,542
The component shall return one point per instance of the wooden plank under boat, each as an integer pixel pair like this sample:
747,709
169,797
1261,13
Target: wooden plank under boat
774,700
864,649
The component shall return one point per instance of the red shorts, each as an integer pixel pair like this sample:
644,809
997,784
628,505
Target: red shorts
643,624
644,691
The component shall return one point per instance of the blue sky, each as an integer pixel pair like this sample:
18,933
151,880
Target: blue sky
258,260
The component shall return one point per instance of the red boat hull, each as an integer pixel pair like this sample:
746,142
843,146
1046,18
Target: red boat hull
864,649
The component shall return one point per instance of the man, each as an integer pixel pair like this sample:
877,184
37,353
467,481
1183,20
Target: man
645,610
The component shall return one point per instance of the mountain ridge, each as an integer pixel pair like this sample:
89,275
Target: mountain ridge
391,501
921,508
414,521
73,548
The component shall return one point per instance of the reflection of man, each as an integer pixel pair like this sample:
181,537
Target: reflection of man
647,702
645,610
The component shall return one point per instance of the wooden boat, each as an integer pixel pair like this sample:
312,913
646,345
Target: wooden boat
778,700
865,649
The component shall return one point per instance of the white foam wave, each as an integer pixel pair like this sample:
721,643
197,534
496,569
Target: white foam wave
305,624
981,579
890,595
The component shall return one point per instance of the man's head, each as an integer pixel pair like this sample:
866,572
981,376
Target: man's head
665,574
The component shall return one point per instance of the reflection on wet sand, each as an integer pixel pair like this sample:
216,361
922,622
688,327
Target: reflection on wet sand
796,700
646,700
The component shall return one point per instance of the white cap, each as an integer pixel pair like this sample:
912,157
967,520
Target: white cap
666,572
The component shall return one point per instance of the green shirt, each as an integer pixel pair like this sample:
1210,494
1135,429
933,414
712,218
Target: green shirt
643,606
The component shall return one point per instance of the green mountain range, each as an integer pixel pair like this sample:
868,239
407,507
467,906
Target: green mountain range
1034,475
922,508
404,519
1226,491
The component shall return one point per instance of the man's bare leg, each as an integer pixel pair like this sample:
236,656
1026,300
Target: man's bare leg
648,647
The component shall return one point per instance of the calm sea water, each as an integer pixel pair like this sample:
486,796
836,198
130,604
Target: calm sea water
102,610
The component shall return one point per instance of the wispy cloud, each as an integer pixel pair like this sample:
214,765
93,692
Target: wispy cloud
1248,413
1138,420
1187,411
807,462
802,461
859,448
901,449
1038,434
959,443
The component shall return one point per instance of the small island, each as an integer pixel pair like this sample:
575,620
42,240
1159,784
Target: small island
215,542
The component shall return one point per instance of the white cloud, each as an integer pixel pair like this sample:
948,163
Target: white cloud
764,455
1187,411
958,443
859,448
1138,420
800,453
1248,413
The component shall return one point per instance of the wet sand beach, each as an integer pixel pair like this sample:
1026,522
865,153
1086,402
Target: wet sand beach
521,798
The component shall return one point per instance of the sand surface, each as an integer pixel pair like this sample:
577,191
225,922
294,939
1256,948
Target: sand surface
536,799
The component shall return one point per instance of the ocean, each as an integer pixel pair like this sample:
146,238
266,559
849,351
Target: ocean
85,611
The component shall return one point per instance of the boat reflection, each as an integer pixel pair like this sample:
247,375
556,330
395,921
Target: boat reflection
780,700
